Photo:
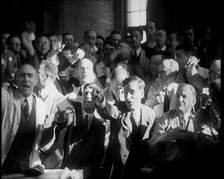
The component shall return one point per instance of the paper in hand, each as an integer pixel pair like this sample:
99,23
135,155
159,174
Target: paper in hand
80,53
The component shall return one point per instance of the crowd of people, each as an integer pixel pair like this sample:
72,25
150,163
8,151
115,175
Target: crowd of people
111,107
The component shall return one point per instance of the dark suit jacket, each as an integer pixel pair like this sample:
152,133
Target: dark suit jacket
84,150
123,139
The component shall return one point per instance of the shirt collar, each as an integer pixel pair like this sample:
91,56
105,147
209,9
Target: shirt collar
47,90
138,51
170,87
137,115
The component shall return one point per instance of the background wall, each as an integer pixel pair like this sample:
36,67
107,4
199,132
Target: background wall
81,15
76,16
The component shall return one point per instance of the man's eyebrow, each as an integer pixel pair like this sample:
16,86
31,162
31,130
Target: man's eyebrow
27,73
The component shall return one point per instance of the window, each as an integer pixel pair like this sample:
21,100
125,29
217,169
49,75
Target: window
136,13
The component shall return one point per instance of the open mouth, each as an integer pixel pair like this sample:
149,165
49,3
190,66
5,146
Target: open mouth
25,87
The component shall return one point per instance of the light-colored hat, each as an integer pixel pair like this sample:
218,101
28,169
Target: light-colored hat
171,65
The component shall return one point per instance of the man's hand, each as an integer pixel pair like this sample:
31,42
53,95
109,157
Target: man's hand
57,45
31,29
27,42
191,66
97,93
171,135
71,174
35,171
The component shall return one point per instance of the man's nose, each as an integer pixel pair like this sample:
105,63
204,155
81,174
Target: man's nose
88,96
180,98
128,96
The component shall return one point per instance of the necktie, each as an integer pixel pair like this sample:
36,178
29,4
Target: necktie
136,57
26,108
166,101
183,123
18,61
134,125
85,124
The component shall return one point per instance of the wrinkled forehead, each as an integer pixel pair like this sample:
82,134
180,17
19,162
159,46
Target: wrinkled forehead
68,37
132,85
91,34
27,69
43,39
135,33
156,58
15,39
86,63
186,90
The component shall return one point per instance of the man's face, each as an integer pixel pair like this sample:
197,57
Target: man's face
91,38
85,71
116,38
164,73
151,27
68,40
52,39
43,45
136,39
155,62
161,41
215,71
99,44
108,49
133,95
181,58
172,42
185,100
189,36
15,44
3,39
27,80
88,103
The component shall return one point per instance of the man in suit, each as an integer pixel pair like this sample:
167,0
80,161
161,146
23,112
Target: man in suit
84,142
139,63
162,94
173,141
23,115
131,122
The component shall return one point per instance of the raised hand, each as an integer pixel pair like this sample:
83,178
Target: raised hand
31,26
57,45
27,42
31,29
97,93
191,65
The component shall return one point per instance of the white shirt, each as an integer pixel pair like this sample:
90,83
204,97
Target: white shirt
138,51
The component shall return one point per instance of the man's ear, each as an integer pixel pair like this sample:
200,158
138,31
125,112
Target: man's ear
194,101
142,94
